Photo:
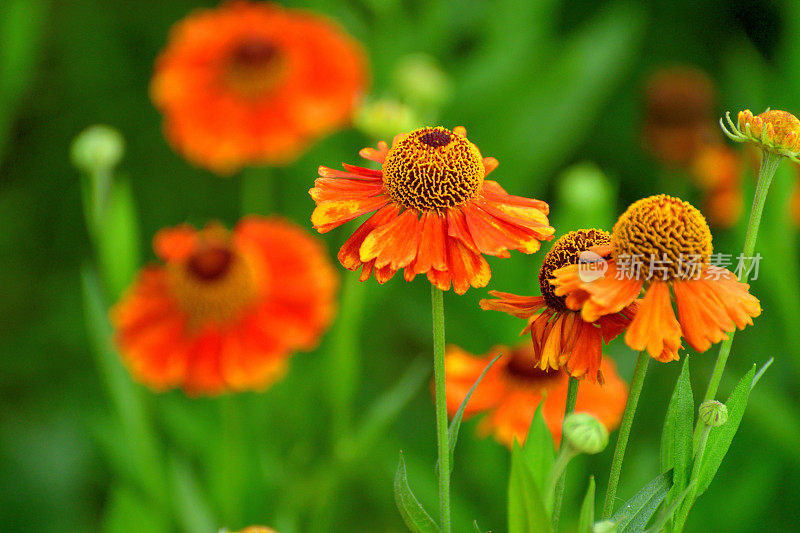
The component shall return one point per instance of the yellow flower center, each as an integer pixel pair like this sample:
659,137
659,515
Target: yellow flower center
433,169
564,252
661,238
214,285
254,68
522,372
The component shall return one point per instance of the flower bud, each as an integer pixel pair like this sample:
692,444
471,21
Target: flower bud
713,413
419,80
384,118
96,148
585,433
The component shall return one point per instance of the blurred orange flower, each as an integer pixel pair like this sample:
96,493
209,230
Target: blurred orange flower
717,170
661,242
226,309
514,387
436,214
253,83
561,337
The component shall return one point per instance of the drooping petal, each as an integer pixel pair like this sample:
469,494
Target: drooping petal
519,306
431,252
655,327
349,254
394,243
584,360
333,213
703,319
466,267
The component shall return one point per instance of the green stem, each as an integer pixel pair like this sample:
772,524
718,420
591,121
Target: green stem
624,431
769,164
437,303
258,195
558,494
680,519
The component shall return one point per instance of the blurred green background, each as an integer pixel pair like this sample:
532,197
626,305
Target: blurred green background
542,86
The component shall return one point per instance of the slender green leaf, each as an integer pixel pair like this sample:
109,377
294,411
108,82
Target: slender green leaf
118,239
637,512
761,371
676,438
455,425
194,512
414,515
539,451
476,527
669,510
586,518
720,438
526,510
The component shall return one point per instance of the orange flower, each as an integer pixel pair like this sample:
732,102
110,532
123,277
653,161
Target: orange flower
226,309
659,243
514,387
560,337
679,110
253,83
773,131
436,214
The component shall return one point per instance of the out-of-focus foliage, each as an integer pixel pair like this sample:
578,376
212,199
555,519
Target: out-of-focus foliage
541,85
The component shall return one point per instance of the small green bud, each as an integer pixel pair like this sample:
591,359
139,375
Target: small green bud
96,148
384,118
419,80
713,413
585,433
605,526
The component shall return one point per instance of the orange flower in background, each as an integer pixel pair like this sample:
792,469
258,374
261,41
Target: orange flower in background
253,83
561,338
513,388
435,214
659,243
679,113
717,170
226,309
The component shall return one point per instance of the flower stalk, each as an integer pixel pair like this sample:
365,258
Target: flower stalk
437,304
624,431
558,494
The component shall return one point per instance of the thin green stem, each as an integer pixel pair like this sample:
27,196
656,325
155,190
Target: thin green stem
769,164
558,494
680,519
437,303
624,431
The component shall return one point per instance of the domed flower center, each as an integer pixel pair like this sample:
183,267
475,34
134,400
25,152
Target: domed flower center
433,169
254,67
213,285
661,238
564,252
521,371
779,124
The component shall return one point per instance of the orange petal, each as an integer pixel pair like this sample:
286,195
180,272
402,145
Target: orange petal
457,228
349,254
519,306
655,327
493,236
733,295
466,267
333,213
584,360
175,244
703,319
394,243
431,252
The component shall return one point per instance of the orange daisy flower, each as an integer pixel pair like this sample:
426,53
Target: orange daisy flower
659,243
435,213
226,309
561,338
253,83
513,388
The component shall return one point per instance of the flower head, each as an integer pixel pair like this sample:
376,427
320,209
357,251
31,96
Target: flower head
659,243
253,83
226,309
435,213
514,387
561,337
585,433
773,131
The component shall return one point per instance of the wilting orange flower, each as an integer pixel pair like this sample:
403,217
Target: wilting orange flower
253,83
513,388
561,338
659,243
226,309
679,111
436,214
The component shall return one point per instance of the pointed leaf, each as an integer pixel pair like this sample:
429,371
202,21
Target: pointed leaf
634,515
414,515
676,438
526,510
761,371
455,425
586,518
669,510
720,438
539,451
